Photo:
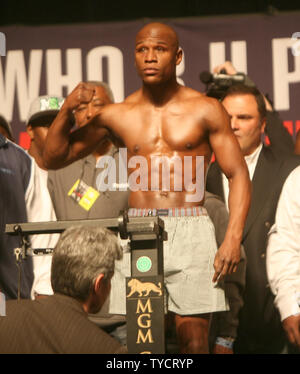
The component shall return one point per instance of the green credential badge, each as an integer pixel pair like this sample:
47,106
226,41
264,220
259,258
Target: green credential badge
144,264
53,103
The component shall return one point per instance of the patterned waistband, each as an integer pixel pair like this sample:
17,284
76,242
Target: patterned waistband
171,212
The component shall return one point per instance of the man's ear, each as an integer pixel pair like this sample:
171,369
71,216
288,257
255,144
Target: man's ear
98,283
179,55
30,132
263,125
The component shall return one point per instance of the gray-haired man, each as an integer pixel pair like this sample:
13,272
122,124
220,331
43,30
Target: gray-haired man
82,267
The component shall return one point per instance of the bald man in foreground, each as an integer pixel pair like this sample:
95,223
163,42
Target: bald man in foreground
166,121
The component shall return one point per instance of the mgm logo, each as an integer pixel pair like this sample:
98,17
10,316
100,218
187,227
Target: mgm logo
145,315
140,287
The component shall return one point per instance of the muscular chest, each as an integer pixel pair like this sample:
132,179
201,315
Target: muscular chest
163,131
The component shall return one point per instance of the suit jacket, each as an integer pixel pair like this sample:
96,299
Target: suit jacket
16,184
260,327
225,323
55,324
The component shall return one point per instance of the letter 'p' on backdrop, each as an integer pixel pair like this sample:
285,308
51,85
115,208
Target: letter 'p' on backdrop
53,59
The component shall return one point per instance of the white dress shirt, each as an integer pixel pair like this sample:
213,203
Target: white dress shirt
251,162
283,251
40,209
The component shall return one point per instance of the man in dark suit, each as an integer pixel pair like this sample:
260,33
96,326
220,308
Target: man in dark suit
82,268
16,201
259,329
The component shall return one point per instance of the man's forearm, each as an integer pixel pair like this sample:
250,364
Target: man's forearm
238,202
57,145
228,255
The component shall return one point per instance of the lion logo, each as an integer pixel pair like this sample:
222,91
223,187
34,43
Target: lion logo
140,287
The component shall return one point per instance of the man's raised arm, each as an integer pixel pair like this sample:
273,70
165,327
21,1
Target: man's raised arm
62,146
230,158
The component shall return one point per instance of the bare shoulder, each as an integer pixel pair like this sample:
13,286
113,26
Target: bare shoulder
189,95
215,113
208,110
117,109
116,116
111,112
133,98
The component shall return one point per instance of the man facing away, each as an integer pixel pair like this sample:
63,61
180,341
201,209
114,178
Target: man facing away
82,267
165,119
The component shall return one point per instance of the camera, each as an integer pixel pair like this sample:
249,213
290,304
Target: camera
218,84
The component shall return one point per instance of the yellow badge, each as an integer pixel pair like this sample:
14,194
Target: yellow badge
83,194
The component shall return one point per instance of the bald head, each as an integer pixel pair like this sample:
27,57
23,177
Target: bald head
159,32
157,54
